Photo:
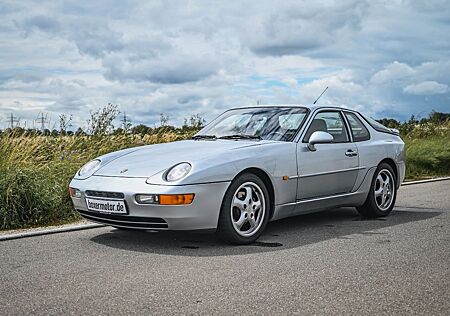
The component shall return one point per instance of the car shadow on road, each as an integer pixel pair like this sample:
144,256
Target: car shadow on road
342,223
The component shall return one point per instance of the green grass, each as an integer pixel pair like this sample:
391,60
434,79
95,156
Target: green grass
427,157
35,171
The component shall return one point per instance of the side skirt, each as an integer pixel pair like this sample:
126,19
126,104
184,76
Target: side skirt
356,198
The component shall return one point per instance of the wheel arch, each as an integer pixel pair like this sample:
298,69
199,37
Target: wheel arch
267,181
393,165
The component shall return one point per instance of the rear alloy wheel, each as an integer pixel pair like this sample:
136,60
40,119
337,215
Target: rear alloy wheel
245,210
382,195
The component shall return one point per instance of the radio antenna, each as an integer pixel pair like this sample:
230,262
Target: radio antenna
320,95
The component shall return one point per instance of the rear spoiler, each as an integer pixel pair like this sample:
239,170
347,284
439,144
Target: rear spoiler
395,131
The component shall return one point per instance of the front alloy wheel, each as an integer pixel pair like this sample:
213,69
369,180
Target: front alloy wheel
248,209
244,212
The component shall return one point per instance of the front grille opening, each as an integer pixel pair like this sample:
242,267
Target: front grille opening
125,220
104,194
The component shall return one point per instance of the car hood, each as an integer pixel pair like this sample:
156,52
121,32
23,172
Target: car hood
149,160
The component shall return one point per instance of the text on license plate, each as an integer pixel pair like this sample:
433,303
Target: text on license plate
108,206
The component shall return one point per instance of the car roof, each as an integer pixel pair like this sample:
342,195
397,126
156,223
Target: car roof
311,107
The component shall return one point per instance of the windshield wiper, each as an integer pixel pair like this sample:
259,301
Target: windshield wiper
237,136
211,137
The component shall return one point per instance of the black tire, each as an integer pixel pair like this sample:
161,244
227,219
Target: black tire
226,227
371,207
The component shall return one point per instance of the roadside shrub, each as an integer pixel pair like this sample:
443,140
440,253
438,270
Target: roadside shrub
32,197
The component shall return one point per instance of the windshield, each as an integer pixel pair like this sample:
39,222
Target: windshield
271,123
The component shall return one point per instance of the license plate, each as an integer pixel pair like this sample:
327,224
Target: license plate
107,206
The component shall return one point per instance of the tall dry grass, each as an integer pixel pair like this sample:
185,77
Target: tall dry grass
35,172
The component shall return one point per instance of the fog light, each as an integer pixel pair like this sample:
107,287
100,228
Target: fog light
75,193
165,199
147,198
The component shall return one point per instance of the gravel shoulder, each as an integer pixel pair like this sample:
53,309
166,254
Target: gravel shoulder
43,229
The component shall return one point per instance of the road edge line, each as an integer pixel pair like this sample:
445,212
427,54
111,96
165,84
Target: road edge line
425,181
49,231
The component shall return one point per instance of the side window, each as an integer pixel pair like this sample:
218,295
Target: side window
359,131
330,122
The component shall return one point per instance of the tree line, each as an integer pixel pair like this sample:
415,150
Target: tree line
101,122
434,118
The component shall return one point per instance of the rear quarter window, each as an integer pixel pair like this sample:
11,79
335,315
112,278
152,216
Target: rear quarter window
359,131
377,126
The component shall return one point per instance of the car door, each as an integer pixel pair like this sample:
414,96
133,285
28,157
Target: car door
333,168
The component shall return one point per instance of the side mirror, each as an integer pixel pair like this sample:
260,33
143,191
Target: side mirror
319,138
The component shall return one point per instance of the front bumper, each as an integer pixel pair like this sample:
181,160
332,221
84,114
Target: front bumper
401,168
202,213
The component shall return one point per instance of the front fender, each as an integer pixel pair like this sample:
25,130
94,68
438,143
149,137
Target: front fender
276,159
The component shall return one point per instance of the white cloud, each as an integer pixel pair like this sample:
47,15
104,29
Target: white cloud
393,72
343,90
426,88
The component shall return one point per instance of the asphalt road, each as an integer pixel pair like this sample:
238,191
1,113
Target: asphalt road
327,263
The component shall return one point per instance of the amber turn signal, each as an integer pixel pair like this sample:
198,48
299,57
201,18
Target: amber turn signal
74,192
175,199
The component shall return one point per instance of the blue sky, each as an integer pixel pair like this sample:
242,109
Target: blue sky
386,58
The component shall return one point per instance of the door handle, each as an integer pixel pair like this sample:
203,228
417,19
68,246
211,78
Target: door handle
351,153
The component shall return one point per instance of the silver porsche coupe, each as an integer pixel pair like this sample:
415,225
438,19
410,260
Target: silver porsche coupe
249,166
